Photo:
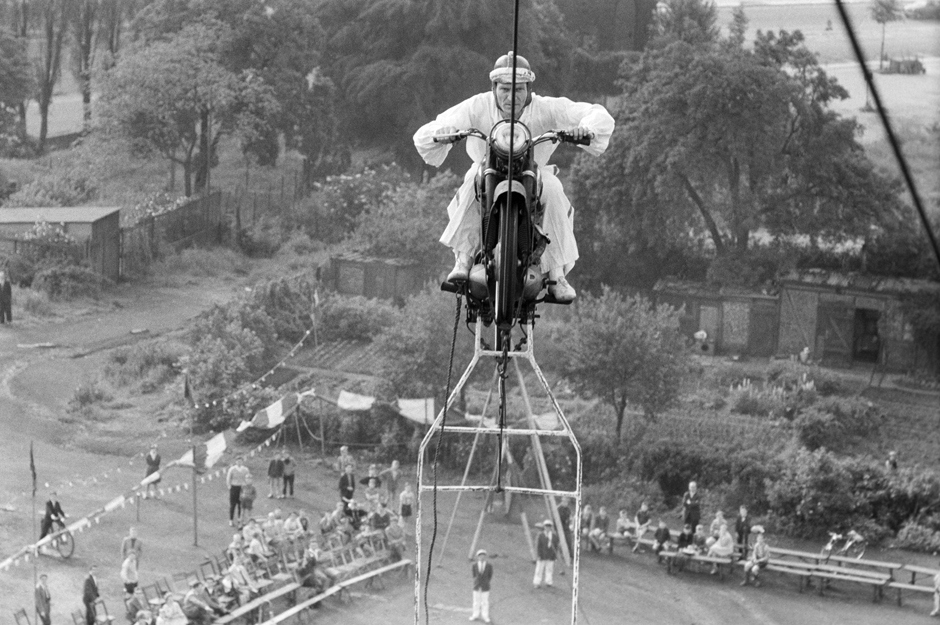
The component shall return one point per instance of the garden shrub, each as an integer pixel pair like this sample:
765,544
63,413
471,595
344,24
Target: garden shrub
54,189
87,394
69,282
262,239
354,318
917,537
208,262
35,303
757,403
833,422
622,493
154,362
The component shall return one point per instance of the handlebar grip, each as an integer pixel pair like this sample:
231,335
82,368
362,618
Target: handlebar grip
567,138
449,138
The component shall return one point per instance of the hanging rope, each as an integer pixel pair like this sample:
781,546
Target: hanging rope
892,139
437,454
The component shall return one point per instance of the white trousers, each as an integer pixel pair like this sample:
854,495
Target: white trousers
463,232
481,604
543,570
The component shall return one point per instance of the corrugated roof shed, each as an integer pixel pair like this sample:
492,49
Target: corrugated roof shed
56,214
861,282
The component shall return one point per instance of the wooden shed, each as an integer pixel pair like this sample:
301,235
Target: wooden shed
352,273
737,321
96,228
847,318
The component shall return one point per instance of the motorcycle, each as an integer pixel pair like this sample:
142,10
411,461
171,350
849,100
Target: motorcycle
854,546
505,282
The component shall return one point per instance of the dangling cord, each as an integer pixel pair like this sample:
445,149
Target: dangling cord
437,453
892,139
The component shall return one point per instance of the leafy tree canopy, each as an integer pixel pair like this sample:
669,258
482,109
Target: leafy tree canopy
715,141
398,63
158,94
625,351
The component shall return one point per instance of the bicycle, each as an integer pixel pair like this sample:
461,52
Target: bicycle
62,540
854,546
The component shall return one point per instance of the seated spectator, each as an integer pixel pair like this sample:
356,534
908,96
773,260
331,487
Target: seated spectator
237,582
599,528
715,528
236,547
372,475
145,617
662,538
642,523
311,574
135,604
304,521
373,495
258,551
170,612
355,514
345,529
381,519
396,541
587,521
723,547
198,607
293,529
760,556
685,547
700,539
624,525
327,522
252,530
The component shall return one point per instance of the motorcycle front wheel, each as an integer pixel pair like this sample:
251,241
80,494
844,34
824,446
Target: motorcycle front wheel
507,279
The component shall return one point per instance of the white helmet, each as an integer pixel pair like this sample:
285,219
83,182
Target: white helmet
502,70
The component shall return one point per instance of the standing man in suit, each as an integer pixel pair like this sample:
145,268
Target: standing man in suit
347,486
482,572
90,595
547,550
6,298
43,600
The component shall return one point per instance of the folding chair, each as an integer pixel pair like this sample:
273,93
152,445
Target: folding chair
21,617
101,613
78,617
208,572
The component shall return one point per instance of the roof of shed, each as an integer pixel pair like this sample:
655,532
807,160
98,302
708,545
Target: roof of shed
56,214
860,282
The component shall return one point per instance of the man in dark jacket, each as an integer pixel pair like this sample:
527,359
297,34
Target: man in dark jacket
347,485
53,513
742,527
6,298
546,551
482,572
90,596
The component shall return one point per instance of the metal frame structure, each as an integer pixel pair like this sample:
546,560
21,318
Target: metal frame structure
523,351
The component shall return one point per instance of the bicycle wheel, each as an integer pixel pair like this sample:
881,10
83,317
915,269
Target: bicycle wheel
508,277
65,544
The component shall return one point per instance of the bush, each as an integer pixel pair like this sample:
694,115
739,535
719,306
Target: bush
35,303
70,282
755,403
55,189
208,262
622,493
262,239
834,422
354,318
916,537
155,362
87,394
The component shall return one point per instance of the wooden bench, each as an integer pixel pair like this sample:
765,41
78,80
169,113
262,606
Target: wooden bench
913,586
256,603
786,568
337,589
801,556
723,564
826,573
887,568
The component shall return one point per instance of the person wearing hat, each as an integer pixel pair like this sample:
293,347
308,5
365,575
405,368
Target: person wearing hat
546,551
539,114
482,572
760,556
43,600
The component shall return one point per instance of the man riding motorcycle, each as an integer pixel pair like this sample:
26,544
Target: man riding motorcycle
540,114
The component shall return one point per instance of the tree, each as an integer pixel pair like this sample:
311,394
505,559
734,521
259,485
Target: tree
691,21
398,63
170,95
715,141
625,351
84,25
16,85
54,16
884,11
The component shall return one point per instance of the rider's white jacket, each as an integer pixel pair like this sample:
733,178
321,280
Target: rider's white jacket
541,115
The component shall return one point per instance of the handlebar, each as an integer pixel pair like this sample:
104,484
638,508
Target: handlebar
552,135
